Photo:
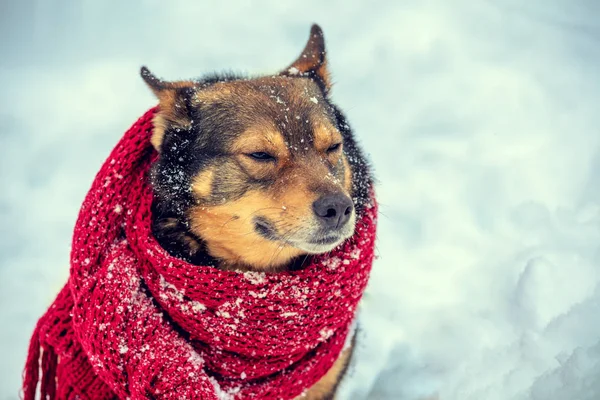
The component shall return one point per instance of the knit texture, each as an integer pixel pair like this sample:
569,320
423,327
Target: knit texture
134,322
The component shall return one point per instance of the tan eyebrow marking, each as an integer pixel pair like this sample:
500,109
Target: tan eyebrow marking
325,135
262,138
202,183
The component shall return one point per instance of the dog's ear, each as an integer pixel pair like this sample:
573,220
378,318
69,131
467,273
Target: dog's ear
312,62
173,99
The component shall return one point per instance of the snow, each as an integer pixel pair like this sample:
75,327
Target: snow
481,119
223,394
197,306
325,333
289,314
332,262
256,278
196,359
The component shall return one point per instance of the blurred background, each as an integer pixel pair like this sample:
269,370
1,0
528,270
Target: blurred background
481,119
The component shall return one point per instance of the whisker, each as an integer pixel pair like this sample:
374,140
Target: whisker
284,238
304,260
228,221
383,214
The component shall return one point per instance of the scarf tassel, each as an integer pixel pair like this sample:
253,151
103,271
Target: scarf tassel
31,374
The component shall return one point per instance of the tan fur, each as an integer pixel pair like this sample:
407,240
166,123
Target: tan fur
325,136
261,138
162,120
325,386
158,133
202,183
347,175
170,107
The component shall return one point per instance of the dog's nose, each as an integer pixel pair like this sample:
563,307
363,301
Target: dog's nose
333,210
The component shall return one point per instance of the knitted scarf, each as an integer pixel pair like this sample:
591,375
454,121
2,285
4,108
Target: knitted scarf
134,322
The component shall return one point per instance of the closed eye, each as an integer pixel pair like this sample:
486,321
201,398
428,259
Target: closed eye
334,147
261,156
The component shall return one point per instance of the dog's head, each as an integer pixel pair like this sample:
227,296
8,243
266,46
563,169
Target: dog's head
258,168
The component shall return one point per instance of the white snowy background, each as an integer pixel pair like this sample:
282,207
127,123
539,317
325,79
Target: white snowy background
482,119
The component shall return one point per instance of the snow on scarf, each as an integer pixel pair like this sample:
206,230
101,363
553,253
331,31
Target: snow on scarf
134,322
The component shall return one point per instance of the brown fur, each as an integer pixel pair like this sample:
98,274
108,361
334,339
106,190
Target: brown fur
202,183
171,107
325,387
312,59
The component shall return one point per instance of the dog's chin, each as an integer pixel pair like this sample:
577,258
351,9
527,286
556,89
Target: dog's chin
317,248
319,244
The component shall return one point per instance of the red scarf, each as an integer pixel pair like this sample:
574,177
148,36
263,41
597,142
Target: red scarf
134,322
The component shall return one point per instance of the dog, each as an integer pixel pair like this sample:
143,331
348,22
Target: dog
257,174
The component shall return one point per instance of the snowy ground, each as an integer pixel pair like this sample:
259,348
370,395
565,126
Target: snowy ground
481,118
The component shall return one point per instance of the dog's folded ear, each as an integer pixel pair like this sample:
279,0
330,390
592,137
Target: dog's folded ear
312,62
173,98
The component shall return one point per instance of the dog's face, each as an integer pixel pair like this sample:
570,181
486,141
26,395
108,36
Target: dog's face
257,167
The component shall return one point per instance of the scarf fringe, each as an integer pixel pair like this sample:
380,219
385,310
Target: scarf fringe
49,362
31,374
32,366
